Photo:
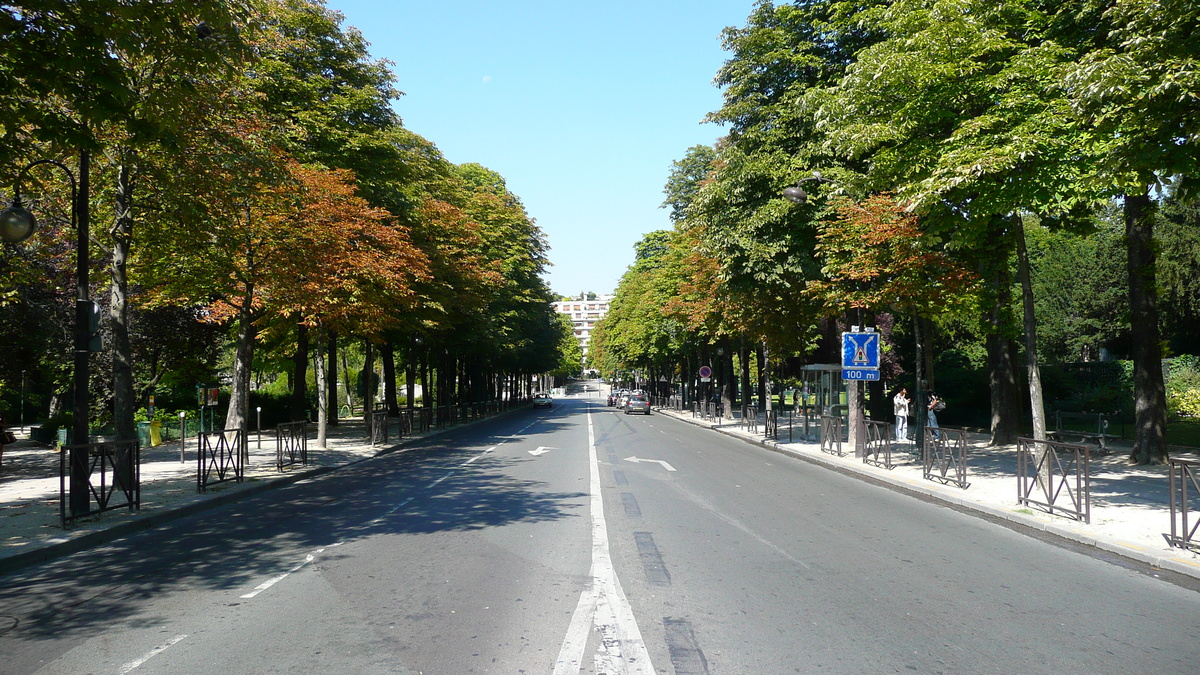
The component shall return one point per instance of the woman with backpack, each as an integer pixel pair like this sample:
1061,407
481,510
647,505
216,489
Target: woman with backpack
936,405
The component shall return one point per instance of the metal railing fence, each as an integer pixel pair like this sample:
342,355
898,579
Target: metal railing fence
291,444
750,418
114,470
831,435
877,450
1048,471
1185,504
379,427
944,456
221,458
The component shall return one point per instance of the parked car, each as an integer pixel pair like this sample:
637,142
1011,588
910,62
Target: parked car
542,399
637,403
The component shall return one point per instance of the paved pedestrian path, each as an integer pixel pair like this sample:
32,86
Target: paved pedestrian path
30,522
1130,504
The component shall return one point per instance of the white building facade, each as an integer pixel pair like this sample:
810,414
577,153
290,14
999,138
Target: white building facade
584,314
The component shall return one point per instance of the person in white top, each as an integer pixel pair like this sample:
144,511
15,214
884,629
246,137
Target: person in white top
901,407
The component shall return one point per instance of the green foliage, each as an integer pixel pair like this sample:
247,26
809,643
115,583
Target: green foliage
570,354
1079,291
1183,387
686,177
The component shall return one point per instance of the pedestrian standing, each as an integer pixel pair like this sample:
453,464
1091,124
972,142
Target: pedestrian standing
900,402
936,405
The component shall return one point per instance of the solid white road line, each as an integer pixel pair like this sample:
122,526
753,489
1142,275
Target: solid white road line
150,654
622,650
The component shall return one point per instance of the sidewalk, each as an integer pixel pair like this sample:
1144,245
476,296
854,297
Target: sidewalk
1130,506
30,529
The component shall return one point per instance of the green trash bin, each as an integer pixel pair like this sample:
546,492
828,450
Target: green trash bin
143,434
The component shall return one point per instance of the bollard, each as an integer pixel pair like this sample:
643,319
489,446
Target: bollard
182,434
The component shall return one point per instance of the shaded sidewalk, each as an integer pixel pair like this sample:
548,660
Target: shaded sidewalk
30,529
1130,504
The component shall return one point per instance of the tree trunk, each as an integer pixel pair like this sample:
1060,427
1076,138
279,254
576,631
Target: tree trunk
1031,358
299,402
761,359
368,372
744,367
346,383
388,353
921,395
765,376
243,361
927,351
410,383
728,384
322,390
124,400
1149,392
1002,376
331,380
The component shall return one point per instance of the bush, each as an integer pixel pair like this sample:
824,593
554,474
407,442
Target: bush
1183,387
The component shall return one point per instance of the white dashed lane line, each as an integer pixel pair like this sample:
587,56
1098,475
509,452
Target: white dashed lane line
276,579
150,654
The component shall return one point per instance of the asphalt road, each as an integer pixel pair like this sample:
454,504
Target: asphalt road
580,540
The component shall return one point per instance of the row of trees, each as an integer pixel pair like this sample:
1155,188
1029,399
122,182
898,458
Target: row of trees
252,182
943,131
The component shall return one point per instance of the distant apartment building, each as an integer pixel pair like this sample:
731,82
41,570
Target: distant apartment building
585,314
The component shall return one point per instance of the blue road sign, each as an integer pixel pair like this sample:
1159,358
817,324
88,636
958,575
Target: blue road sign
860,374
860,350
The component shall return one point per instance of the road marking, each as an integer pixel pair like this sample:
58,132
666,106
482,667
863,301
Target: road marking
637,460
469,461
541,450
150,654
276,579
621,651
440,479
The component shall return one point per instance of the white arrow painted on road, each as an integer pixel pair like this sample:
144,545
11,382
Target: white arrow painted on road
636,460
541,450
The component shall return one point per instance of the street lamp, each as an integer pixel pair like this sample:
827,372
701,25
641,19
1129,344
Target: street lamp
16,225
797,194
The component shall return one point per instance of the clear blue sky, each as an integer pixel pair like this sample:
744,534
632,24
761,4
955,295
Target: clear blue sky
581,107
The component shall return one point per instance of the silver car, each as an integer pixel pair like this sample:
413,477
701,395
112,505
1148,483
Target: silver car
637,403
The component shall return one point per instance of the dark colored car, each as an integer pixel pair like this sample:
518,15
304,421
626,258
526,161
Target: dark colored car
637,403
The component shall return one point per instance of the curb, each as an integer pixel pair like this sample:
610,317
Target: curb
18,561
1015,521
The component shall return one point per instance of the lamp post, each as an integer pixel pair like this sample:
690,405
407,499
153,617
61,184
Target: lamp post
23,401
797,194
17,225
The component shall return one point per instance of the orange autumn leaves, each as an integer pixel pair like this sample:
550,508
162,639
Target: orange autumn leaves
876,256
316,249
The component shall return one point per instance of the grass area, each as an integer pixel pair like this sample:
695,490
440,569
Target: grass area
1184,432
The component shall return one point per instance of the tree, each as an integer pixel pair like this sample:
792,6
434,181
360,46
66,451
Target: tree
1137,86
119,77
959,112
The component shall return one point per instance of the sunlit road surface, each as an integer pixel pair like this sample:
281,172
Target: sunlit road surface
581,540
